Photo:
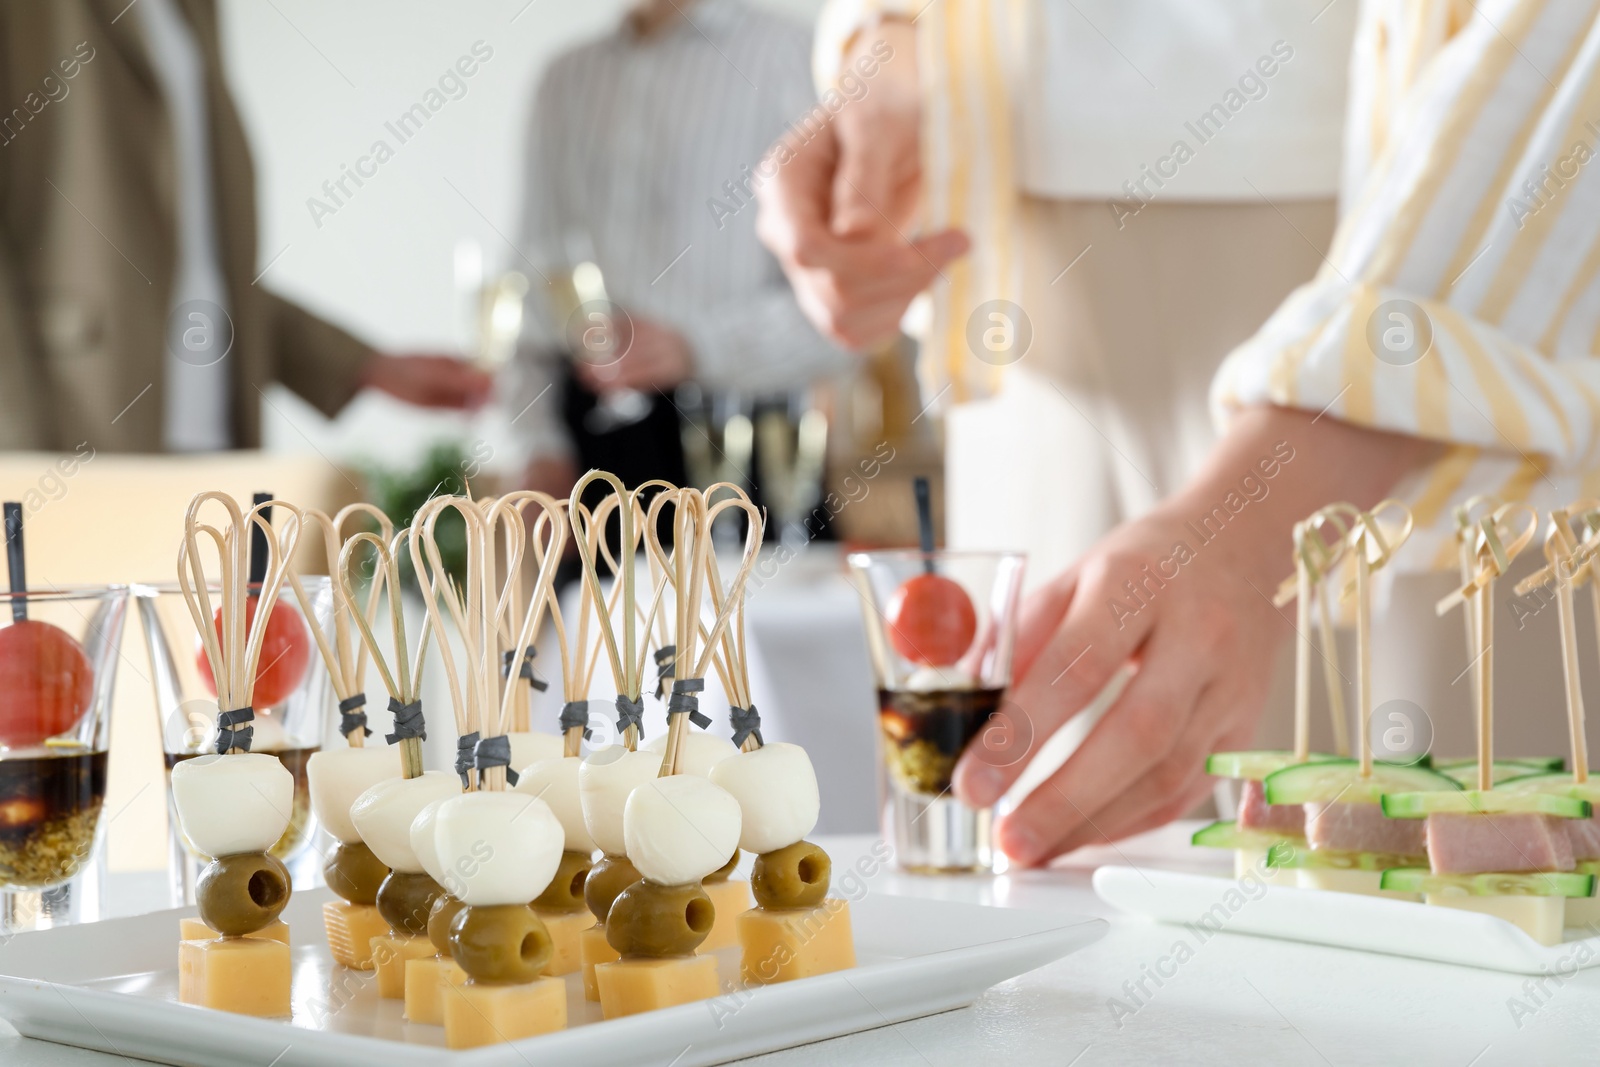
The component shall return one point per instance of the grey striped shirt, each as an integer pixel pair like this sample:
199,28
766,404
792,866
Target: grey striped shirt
643,148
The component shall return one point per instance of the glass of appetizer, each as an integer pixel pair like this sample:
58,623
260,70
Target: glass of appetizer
58,664
941,628
294,700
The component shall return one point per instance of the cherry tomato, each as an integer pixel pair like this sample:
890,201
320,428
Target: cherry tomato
46,683
285,654
931,620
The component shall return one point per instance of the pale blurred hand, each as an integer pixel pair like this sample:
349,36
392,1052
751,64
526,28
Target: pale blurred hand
838,210
429,381
555,475
655,357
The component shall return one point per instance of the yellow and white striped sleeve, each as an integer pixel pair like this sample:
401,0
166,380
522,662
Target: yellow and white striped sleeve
1461,300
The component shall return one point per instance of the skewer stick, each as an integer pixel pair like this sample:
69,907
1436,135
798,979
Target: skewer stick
467,606
1373,549
402,681
1467,519
1315,563
1568,566
1302,649
623,649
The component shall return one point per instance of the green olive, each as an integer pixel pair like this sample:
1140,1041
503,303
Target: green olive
659,920
792,877
353,872
406,900
241,894
721,873
445,910
566,890
500,943
606,881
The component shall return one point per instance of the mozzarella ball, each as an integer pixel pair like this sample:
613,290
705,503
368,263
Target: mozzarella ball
555,781
680,828
339,775
496,848
700,752
534,748
777,792
233,803
424,840
267,734
604,782
384,814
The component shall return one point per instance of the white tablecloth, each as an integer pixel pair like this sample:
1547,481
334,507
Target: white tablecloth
1236,1000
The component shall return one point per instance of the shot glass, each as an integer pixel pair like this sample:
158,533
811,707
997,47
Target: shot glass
292,725
58,668
941,628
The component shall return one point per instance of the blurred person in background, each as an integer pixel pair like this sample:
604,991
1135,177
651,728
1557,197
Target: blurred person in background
1104,218
131,311
639,153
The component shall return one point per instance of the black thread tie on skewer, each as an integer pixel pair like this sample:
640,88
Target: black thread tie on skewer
15,562
526,673
684,701
232,731
666,658
494,752
351,718
408,722
630,713
466,745
746,724
575,713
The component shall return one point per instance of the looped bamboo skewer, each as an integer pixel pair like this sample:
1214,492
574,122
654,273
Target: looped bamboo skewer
1467,516
1495,543
345,659
235,656
470,682
578,660
511,607
1372,550
403,681
732,650
1316,562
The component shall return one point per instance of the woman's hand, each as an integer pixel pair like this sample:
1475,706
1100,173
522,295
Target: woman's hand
1183,595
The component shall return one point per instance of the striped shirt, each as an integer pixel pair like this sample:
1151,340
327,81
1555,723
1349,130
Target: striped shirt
643,152
1472,212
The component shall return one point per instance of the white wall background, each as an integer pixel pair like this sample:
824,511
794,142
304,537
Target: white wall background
315,83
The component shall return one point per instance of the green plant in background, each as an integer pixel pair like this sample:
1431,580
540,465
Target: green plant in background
400,493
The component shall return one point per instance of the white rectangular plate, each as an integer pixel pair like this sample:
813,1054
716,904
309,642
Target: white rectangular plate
112,986
1345,920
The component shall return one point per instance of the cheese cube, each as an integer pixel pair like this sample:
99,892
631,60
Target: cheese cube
194,930
351,928
389,956
426,981
482,1013
566,933
593,950
1538,917
781,945
244,975
1584,914
628,987
730,899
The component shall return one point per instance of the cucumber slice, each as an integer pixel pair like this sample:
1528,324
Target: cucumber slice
1559,783
1341,780
1541,884
1466,771
1298,856
1533,763
1479,802
1228,835
1255,765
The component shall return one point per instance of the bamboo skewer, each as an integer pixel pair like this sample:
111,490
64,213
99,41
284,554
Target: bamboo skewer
404,680
733,662
1315,565
1373,549
234,656
345,659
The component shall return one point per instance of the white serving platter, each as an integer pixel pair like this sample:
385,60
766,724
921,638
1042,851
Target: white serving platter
1220,903
112,986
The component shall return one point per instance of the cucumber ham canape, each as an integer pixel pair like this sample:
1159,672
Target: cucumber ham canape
1495,851
1260,824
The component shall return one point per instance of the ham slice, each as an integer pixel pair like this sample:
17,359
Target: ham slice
1584,836
1362,828
1256,814
1474,844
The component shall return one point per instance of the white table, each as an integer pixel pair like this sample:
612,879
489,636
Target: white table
1238,999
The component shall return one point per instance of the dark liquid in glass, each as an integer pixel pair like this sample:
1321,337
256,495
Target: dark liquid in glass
49,810
924,733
